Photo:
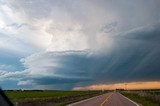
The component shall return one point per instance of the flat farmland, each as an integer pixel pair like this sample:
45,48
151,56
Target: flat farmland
48,97
145,97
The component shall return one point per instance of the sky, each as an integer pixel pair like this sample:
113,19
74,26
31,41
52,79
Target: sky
79,44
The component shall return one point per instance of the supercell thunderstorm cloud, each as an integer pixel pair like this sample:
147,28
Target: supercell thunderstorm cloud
63,44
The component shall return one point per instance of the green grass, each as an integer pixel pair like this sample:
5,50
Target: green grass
140,99
154,92
48,97
42,94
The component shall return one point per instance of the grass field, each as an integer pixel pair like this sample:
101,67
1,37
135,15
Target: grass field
154,92
48,97
145,97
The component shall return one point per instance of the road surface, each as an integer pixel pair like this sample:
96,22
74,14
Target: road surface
109,99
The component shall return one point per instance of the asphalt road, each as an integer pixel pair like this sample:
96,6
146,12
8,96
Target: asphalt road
109,99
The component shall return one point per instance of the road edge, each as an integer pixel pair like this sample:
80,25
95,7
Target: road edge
83,100
130,100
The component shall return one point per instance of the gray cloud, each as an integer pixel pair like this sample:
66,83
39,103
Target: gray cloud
99,41
130,60
16,25
150,33
109,27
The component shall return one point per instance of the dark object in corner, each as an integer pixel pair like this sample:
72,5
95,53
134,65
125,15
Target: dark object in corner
4,101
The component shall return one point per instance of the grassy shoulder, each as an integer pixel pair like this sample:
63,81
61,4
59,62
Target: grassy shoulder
48,98
154,92
29,94
140,99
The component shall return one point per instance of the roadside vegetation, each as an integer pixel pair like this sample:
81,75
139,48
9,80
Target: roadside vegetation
144,97
48,97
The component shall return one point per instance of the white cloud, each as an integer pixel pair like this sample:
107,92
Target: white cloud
17,75
62,30
3,66
50,35
53,26
27,82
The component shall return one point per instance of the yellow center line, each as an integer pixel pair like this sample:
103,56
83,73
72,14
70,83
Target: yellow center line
107,97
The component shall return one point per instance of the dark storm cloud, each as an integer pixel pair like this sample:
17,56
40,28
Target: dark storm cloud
58,80
133,59
99,41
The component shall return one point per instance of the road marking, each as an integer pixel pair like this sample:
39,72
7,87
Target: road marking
106,99
83,100
129,100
